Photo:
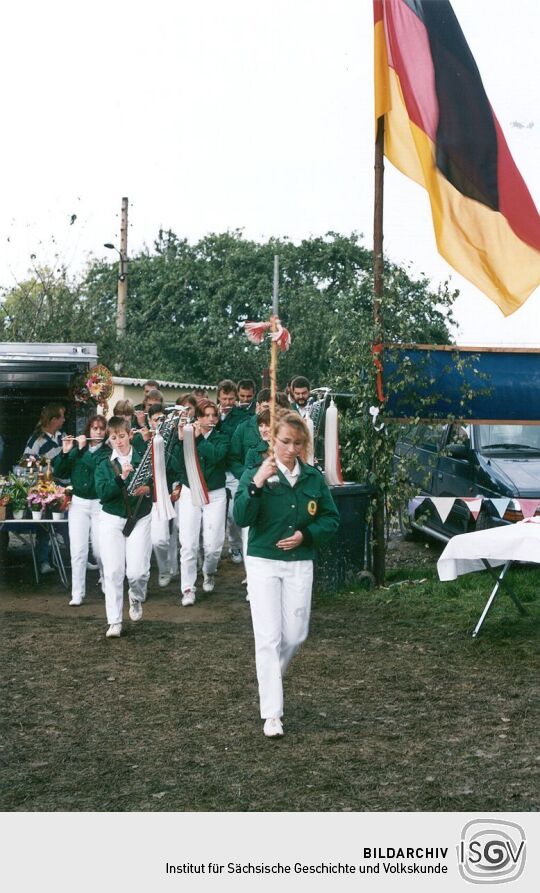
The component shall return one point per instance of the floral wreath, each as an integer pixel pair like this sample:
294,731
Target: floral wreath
95,386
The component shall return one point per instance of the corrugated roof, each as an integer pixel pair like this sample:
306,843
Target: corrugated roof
139,382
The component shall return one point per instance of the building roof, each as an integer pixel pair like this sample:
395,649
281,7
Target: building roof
139,382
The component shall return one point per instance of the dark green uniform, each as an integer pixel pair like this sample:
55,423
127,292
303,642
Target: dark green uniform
80,467
212,452
109,487
245,437
276,513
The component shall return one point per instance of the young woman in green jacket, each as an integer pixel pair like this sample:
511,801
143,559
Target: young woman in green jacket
78,461
287,520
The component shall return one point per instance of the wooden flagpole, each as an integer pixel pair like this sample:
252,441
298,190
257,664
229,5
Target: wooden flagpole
273,353
379,569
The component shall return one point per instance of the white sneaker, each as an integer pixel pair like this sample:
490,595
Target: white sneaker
135,610
91,567
236,556
209,583
273,727
188,598
164,579
46,568
114,631
75,602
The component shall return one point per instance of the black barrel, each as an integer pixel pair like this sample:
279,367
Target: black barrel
347,554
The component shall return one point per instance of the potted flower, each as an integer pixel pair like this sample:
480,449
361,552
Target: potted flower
17,490
35,502
56,502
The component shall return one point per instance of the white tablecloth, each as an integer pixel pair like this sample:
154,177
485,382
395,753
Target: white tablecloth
514,542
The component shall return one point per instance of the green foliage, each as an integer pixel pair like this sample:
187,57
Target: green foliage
187,304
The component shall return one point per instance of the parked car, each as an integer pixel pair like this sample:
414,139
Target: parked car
463,460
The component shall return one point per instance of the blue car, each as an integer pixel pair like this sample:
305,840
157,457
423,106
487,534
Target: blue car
460,460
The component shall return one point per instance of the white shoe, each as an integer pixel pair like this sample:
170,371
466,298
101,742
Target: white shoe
91,567
75,602
273,727
114,631
236,556
164,579
209,583
188,598
46,568
135,610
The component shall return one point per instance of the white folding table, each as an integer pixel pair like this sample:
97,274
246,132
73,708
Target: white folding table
488,549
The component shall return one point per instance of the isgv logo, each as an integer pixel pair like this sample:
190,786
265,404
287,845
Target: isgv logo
491,851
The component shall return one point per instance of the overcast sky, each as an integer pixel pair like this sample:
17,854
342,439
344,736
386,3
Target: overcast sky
211,115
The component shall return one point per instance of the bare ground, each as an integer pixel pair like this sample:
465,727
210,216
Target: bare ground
389,706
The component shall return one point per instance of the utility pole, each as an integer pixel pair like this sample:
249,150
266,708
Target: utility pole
122,273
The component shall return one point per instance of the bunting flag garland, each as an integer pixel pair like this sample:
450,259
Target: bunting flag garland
500,506
196,481
444,505
164,509
440,130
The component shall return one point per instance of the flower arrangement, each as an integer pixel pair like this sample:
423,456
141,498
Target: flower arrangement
95,386
44,494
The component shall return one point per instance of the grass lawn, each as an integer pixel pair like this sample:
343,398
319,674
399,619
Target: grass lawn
389,706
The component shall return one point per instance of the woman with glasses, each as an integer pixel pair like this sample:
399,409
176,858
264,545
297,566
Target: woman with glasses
288,518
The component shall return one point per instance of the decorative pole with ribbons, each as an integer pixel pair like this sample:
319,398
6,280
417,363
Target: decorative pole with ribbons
280,339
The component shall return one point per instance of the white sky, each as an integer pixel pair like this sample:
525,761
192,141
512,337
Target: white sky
211,115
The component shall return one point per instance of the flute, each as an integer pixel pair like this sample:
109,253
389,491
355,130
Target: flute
88,439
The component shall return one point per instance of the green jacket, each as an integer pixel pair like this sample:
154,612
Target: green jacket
80,466
231,421
277,512
109,487
244,438
212,452
256,454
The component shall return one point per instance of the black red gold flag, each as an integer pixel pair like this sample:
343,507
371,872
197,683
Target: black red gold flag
440,130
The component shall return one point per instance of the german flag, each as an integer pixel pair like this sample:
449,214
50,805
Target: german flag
440,130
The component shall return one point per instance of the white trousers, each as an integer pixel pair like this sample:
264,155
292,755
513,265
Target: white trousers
164,543
280,601
234,532
83,525
191,518
124,557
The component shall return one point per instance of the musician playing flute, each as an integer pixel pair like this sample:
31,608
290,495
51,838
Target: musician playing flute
78,462
123,556
287,518
208,513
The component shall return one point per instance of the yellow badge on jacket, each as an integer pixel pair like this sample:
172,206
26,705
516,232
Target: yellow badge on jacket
312,507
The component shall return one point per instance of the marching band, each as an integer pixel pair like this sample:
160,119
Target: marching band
179,481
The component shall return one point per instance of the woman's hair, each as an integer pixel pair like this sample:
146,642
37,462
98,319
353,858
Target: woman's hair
202,405
100,419
123,407
295,421
187,398
117,423
48,413
263,417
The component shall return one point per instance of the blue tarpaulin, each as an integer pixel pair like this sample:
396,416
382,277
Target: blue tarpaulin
480,384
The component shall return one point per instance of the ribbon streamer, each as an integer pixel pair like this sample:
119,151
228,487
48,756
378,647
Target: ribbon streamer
196,481
164,510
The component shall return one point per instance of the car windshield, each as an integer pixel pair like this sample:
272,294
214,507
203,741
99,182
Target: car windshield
520,438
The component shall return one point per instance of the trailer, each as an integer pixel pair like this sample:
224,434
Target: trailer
32,375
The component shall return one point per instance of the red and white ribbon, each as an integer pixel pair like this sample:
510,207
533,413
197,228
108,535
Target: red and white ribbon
196,481
257,330
164,508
